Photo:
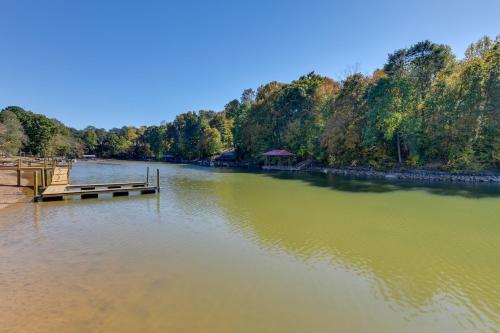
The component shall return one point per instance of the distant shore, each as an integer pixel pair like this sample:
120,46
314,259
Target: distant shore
402,174
10,194
415,175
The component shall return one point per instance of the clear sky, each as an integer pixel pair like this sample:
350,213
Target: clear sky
115,63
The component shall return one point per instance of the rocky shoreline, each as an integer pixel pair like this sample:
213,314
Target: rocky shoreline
412,175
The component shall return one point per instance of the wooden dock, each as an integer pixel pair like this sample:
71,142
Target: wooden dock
45,169
89,191
59,189
60,176
52,177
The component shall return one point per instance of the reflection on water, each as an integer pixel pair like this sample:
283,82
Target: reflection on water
224,251
358,185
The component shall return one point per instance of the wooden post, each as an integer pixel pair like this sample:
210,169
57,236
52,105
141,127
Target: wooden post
68,175
18,172
147,176
44,173
52,170
158,180
35,184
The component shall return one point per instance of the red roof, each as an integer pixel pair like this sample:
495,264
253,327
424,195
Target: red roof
278,153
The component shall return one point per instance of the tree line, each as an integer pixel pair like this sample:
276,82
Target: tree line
423,108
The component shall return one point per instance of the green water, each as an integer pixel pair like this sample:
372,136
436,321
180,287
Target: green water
226,251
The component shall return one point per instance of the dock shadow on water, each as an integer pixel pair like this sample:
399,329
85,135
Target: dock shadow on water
223,250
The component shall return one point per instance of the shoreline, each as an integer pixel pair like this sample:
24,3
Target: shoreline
415,175
11,195
410,175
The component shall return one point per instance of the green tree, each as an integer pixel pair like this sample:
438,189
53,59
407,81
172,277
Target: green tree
481,47
420,64
300,113
11,133
39,129
391,116
343,135
224,125
115,145
464,112
155,137
90,140
210,142
258,121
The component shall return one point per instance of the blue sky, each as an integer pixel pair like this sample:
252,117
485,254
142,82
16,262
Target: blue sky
115,63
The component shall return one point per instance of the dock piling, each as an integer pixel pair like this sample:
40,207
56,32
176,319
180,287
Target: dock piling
35,184
44,179
147,176
44,173
158,180
18,172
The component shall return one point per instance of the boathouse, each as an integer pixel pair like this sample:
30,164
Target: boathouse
226,158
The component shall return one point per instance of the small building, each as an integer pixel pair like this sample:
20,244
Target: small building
277,159
169,158
89,157
226,158
228,155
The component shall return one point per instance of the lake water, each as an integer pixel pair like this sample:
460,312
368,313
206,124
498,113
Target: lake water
228,251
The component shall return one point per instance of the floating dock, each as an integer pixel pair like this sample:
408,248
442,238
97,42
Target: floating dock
90,191
59,188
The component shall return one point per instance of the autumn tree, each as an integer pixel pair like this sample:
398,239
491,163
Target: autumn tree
343,136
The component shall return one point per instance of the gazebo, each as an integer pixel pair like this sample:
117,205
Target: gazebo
280,155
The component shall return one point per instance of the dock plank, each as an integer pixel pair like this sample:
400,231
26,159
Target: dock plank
107,184
60,176
54,189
